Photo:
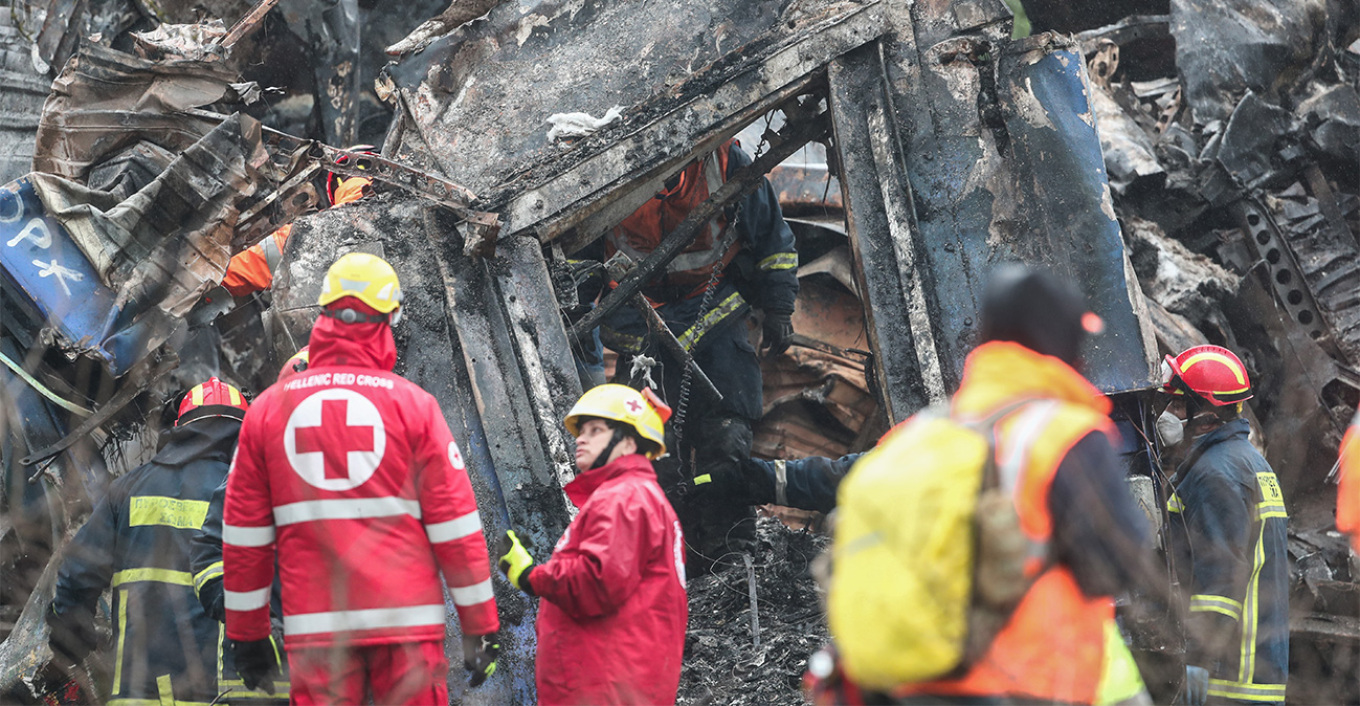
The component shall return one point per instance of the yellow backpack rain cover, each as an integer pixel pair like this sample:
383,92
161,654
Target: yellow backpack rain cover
900,593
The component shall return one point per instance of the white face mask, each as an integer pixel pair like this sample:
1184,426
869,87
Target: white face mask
1170,428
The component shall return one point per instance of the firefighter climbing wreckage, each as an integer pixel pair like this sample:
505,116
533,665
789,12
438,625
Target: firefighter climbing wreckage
461,298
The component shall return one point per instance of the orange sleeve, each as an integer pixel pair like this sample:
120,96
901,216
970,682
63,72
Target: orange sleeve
248,272
1348,486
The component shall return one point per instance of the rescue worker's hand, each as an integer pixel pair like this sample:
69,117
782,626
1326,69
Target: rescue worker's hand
515,561
1196,686
479,656
777,332
257,662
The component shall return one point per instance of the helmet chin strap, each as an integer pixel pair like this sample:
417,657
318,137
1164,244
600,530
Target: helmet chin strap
608,449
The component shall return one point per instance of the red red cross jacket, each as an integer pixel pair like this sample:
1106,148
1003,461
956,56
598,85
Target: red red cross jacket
611,626
351,473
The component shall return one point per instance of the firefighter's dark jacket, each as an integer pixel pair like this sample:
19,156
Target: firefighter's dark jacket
205,561
137,543
764,274
1228,527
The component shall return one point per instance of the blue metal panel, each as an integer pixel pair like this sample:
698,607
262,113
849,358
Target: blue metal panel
41,263
1065,197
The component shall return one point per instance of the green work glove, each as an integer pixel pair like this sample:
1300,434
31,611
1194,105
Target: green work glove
515,561
479,657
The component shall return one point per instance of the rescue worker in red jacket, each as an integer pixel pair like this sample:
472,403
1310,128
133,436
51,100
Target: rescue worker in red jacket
744,258
611,626
252,270
350,473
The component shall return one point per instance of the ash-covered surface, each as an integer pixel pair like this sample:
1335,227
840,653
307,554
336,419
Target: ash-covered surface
722,664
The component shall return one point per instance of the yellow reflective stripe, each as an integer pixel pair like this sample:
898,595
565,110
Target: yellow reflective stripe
780,261
153,702
235,397
158,510
213,571
165,690
1205,603
705,478
1265,512
197,395
122,637
1120,680
1246,691
1246,669
178,578
620,342
1174,504
726,308
1225,361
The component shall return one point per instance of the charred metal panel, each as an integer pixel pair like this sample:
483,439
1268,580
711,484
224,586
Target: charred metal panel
21,100
683,92
48,276
1005,164
1064,197
880,227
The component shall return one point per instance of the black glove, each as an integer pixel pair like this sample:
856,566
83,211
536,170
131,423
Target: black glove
479,656
72,635
777,332
257,661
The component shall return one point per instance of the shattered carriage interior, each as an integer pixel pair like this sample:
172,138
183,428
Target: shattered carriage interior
1192,165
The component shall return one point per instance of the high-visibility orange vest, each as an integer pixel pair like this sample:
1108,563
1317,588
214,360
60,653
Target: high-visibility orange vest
640,233
1055,645
1348,485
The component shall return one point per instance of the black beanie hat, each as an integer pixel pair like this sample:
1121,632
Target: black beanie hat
1034,309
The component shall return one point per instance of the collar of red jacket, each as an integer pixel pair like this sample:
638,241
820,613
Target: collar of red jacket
585,485
1000,371
362,345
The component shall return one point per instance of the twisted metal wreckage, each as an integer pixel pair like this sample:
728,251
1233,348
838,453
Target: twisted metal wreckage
949,145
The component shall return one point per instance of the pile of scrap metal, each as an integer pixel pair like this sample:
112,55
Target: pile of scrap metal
1231,130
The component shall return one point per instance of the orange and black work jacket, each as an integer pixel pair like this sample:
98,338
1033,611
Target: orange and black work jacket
252,270
1228,525
166,648
758,261
1348,485
1061,644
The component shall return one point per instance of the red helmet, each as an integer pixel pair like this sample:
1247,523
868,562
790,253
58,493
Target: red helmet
334,182
1211,372
213,398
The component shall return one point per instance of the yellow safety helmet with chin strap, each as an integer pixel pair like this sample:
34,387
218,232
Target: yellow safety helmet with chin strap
643,411
367,278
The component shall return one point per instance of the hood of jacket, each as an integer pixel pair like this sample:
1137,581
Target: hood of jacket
207,439
1001,371
361,345
583,486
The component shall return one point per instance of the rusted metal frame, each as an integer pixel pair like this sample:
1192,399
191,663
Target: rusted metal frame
565,200
618,267
736,187
247,25
251,229
1263,236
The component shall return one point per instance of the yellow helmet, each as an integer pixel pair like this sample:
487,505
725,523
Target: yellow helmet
365,277
643,411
